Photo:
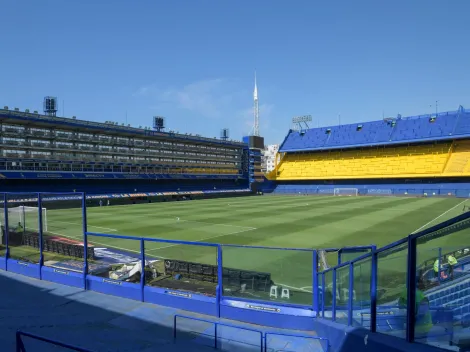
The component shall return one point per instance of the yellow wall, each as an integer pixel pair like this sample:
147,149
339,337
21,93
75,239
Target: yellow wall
443,159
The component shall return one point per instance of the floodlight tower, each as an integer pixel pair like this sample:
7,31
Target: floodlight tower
255,110
50,106
159,123
224,134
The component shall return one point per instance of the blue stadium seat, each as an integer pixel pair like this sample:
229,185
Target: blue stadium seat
409,129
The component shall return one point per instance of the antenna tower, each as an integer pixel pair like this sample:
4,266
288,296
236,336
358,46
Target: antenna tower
255,110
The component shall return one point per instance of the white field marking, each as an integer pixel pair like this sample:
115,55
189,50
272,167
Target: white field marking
437,217
166,203
228,225
296,288
76,223
202,239
198,222
102,244
105,208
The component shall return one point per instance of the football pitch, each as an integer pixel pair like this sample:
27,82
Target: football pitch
310,222
275,221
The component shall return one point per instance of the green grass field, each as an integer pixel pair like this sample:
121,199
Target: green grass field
312,222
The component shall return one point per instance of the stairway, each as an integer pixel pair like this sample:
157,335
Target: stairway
459,161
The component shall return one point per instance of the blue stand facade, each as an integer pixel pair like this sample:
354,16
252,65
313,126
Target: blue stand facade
61,276
114,287
24,268
181,300
267,315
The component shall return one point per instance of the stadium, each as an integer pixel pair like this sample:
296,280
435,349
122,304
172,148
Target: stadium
345,245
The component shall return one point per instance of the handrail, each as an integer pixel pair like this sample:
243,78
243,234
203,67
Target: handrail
408,244
264,247
20,345
216,324
147,239
404,240
295,335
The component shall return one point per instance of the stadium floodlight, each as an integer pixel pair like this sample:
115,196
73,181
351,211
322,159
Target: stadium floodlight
159,123
301,122
299,119
346,192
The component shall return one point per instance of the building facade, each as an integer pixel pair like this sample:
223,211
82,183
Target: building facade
269,158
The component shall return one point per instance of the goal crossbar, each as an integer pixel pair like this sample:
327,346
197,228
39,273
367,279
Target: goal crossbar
346,192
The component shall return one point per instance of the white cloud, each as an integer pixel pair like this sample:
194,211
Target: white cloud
210,98
142,91
220,99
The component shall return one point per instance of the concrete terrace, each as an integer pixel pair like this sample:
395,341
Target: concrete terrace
106,323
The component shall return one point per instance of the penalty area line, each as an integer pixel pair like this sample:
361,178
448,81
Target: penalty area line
202,239
227,225
96,227
146,215
437,217
303,289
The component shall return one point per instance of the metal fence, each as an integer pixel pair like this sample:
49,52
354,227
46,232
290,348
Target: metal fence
395,290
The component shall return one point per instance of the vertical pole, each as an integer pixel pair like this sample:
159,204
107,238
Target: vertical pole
19,343
439,256
5,230
174,327
333,302
85,241
215,335
351,293
41,239
373,290
142,272
323,294
23,223
411,290
219,288
315,283
339,256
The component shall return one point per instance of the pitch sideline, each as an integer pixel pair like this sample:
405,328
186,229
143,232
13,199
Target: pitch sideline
437,217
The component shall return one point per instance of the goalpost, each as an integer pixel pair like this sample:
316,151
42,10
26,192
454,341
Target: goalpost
346,192
28,217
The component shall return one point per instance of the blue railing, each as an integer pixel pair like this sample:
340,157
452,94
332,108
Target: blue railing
263,337
411,245
314,292
216,325
20,347
324,343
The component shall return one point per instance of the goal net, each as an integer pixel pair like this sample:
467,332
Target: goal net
345,192
27,217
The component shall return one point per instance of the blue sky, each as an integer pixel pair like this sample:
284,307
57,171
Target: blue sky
193,61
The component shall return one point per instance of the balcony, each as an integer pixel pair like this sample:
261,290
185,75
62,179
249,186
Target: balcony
40,145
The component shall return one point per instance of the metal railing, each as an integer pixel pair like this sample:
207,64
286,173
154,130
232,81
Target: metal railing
316,283
20,347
